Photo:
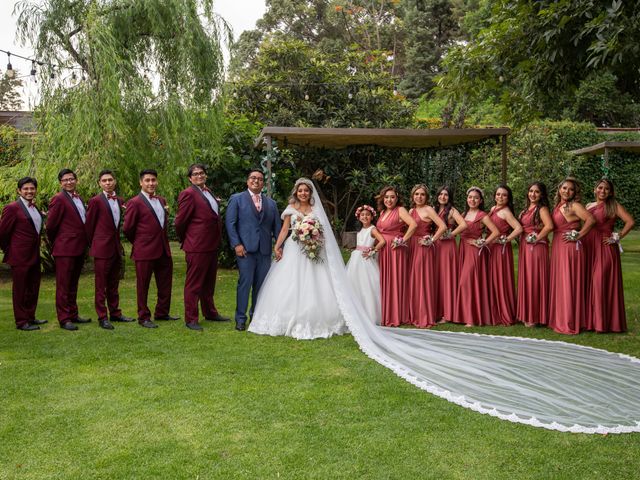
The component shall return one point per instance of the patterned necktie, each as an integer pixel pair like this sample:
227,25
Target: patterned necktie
256,201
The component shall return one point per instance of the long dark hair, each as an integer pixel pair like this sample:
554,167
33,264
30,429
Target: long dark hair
576,191
543,202
481,206
383,192
448,206
610,204
509,199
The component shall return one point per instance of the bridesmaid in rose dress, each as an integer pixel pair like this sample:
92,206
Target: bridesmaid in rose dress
473,305
503,289
422,294
605,296
568,275
533,259
396,226
447,255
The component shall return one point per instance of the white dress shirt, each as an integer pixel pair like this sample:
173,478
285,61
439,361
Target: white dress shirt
33,212
115,208
157,207
212,201
80,207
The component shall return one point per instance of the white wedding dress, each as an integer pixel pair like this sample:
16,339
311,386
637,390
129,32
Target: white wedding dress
297,297
554,385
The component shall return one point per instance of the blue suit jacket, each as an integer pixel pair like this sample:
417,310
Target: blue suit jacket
245,225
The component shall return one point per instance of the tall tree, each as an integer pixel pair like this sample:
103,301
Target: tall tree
431,29
148,92
10,98
533,56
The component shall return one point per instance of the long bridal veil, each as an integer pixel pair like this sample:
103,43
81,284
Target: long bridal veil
554,385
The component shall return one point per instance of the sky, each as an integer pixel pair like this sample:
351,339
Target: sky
240,14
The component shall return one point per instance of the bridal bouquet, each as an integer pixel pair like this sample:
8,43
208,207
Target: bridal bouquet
309,234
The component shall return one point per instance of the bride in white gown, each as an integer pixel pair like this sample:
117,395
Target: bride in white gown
553,385
297,297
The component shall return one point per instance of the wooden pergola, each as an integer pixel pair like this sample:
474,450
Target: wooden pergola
338,138
606,147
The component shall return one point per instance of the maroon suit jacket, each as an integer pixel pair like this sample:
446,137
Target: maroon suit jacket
141,226
65,228
198,227
18,236
102,233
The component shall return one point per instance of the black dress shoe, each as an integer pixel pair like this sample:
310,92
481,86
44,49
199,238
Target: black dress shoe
166,317
241,327
69,326
81,320
148,324
194,326
105,324
28,327
121,318
38,322
219,318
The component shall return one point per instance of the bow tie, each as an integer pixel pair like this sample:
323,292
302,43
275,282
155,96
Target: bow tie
152,196
112,196
31,204
74,195
206,189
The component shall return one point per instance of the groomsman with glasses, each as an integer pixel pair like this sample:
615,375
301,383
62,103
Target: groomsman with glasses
65,228
199,228
104,213
20,229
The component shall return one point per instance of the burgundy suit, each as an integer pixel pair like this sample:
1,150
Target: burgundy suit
199,229
104,246
68,238
151,254
21,244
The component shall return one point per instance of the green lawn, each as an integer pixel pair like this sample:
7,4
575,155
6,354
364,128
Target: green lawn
173,403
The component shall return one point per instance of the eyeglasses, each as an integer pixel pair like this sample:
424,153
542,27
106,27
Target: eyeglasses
67,180
198,174
256,179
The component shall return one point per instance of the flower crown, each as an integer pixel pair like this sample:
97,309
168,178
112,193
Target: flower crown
365,207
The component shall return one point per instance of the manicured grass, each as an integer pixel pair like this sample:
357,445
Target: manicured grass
172,403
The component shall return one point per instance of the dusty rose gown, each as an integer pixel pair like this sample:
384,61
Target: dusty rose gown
503,291
422,277
446,275
605,295
472,303
394,266
533,275
567,281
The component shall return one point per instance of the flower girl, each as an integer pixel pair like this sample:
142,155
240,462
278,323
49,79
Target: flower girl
362,269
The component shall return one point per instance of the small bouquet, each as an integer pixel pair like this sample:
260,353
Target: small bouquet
480,242
398,242
614,238
532,238
572,236
502,240
426,241
369,253
308,232
446,235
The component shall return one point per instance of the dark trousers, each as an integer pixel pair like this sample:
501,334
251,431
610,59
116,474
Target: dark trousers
253,269
200,285
67,277
162,270
26,287
107,280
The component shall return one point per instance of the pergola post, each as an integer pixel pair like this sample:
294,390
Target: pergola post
504,159
268,143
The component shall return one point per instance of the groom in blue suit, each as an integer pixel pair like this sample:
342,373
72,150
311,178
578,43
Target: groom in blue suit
252,222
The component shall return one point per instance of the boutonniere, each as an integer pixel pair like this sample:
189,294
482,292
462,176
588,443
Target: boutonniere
166,208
